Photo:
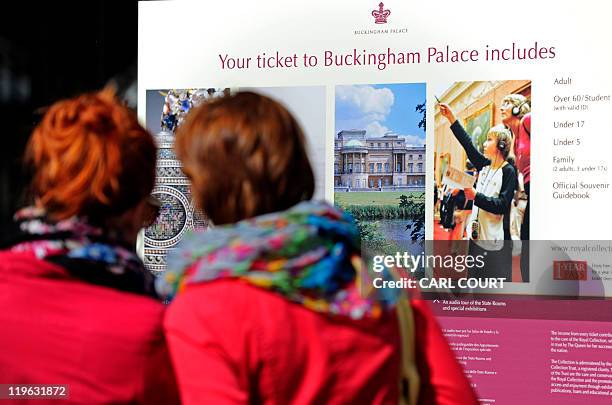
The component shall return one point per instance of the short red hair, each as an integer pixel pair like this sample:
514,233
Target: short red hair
91,158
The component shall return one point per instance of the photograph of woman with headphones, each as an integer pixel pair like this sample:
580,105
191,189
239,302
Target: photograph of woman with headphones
484,125
492,196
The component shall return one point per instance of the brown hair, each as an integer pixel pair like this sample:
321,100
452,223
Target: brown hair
245,156
91,158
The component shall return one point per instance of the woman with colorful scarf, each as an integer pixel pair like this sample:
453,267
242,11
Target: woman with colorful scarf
266,305
79,310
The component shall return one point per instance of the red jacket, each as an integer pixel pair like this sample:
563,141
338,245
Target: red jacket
233,343
107,345
522,148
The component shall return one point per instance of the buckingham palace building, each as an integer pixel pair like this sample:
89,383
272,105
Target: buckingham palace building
386,162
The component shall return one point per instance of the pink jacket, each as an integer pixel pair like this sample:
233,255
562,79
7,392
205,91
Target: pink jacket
522,148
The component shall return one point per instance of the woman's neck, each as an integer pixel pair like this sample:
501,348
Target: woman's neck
497,162
514,126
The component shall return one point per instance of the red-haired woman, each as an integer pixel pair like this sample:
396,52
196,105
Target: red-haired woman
78,307
268,307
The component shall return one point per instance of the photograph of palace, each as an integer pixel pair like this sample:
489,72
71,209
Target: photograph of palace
379,161
385,162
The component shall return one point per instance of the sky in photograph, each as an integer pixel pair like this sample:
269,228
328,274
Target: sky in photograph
381,109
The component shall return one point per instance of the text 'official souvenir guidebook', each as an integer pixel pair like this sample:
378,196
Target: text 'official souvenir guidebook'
420,121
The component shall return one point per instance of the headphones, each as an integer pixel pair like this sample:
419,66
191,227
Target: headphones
516,110
503,145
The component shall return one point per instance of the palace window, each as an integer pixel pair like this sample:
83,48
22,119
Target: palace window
420,167
410,169
387,168
379,167
371,167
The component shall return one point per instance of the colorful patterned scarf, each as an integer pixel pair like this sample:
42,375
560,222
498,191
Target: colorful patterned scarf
310,254
85,251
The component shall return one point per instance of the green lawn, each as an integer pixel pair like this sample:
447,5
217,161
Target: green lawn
372,197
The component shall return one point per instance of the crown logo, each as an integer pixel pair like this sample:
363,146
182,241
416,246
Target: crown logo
380,15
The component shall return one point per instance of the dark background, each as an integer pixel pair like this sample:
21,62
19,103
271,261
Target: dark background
50,51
